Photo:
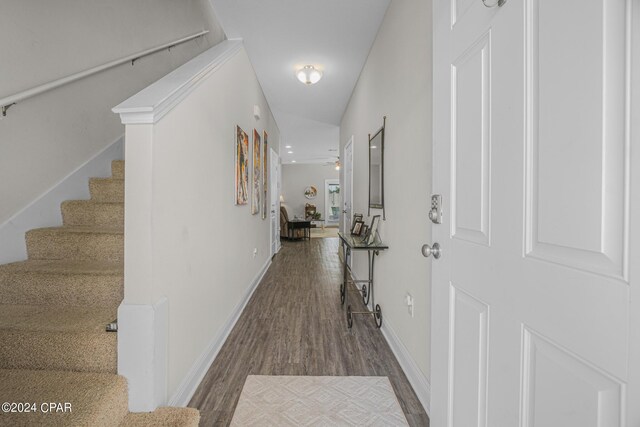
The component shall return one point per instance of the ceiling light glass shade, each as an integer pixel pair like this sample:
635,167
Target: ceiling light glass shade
309,75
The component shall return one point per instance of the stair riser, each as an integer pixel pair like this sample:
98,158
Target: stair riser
61,289
109,215
75,246
107,190
82,352
117,169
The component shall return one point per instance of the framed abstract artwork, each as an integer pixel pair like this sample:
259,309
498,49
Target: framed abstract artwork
265,181
256,190
242,167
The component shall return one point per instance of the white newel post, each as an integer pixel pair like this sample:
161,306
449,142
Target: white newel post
142,323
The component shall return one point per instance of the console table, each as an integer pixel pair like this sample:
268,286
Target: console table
357,243
299,224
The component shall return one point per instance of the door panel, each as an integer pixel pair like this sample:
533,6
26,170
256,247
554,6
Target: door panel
471,139
559,134
590,397
468,363
533,294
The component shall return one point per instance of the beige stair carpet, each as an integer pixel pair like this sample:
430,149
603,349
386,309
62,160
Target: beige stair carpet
95,399
317,401
164,417
62,282
54,308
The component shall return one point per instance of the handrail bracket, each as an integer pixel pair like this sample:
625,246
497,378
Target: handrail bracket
5,108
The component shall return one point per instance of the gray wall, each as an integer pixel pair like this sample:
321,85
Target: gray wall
297,177
396,82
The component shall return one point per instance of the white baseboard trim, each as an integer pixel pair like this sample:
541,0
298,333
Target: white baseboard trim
415,376
44,211
192,380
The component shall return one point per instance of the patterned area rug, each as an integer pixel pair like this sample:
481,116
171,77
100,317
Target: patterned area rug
318,401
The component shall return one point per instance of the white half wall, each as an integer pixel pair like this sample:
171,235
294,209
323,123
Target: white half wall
396,82
46,137
185,240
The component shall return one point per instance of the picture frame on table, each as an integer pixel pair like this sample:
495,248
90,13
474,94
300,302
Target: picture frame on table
373,229
357,228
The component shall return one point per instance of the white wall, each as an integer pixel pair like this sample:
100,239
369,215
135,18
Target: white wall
297,177
396,82
47,137
185,238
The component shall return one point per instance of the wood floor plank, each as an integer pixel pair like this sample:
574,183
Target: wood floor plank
294,324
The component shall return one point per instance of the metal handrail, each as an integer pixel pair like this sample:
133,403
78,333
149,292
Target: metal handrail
10,100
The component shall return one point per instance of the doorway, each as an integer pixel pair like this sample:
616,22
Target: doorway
347,186
332,201
274,174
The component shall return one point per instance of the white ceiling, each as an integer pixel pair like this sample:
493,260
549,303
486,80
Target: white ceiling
281,36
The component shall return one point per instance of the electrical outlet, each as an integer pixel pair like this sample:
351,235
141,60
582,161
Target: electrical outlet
255,252
408,299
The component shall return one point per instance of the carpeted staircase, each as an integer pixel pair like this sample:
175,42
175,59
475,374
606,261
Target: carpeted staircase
54,309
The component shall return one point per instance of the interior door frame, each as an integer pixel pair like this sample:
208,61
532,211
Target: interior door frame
343,185
327,183
274,182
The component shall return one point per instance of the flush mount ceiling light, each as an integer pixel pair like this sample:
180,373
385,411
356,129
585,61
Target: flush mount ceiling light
309,75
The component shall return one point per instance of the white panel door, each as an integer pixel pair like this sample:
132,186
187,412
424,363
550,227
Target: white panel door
535,302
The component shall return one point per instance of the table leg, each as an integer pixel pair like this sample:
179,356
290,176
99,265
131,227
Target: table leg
377,310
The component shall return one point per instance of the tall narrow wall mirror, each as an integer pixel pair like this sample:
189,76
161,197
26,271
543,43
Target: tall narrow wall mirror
376,169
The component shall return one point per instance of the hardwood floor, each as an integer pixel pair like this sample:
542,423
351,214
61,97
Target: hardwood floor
294,324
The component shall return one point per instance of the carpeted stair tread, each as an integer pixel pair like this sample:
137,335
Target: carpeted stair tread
117,169
90,212
62,282
63,266
107,189
96,399
163,417
56,318
76,243
57,338
81,229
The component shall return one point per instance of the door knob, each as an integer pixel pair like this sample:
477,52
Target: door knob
434,250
